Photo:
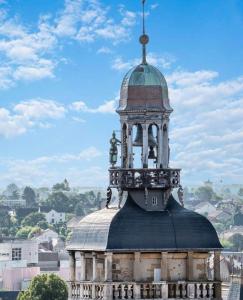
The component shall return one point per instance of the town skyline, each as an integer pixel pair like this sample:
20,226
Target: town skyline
62,66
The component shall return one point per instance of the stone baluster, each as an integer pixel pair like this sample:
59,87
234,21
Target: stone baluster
204,290
130,291
198,290
164,290
184,290
137,291
191,293
210,290
178,291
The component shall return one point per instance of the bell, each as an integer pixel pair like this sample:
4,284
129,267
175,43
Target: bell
151,140
151,154
138,141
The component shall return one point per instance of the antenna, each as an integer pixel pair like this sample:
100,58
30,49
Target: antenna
144,38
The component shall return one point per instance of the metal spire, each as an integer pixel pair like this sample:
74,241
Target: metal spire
144,38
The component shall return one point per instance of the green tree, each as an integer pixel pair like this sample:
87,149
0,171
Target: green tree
34,231
43,224
204,193
59,202
45,287
237,241
33,219
240,192
29,196
23,232
79,212
63,186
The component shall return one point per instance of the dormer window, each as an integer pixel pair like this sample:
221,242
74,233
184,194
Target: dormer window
154,201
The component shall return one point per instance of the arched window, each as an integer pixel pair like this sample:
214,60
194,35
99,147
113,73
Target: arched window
137,145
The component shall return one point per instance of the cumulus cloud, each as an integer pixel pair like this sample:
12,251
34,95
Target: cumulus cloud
161,61
207,125
30,53
45,170
107,107
29,114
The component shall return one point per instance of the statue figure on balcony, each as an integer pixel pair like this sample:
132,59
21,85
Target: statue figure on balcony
113,149
180,194
108,197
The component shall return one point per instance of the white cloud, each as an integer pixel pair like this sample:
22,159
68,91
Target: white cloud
207,125
32,53
104,50
160,61
45,170
107,107
27,115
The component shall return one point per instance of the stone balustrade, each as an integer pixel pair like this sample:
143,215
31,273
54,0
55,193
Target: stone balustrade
163,290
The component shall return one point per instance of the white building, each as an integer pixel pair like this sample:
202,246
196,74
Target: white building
54,217
19,250
46,236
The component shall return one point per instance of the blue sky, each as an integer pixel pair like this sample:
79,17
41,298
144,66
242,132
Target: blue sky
61,66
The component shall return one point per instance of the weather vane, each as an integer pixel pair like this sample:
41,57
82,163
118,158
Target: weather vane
144,38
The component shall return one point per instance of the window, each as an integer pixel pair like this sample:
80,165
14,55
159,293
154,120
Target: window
16,254
154,201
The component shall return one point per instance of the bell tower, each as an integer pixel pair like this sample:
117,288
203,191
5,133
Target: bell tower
144,110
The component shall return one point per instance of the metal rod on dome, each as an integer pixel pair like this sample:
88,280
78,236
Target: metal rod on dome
144,39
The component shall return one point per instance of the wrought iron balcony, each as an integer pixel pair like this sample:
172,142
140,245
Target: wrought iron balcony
144,178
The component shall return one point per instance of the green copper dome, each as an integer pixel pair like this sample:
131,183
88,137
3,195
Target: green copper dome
144,87
145,75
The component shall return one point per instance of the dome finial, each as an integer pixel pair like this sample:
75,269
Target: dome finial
144,38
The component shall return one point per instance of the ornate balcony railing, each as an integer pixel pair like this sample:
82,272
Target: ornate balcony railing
144,178
132,290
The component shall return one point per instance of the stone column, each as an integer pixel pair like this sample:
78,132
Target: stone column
164,266
189,269
216,261
136,267
94,274
129,145
83,266
145,146
108,266
72,266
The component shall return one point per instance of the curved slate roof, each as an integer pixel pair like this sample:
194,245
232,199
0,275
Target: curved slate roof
132,228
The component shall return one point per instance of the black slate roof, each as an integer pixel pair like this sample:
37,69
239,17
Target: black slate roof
132,228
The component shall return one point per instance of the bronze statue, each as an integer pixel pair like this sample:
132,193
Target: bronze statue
180,194
113,149
108,197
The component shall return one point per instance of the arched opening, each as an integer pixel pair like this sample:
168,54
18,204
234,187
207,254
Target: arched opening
124,146
137,145
152,145
165,146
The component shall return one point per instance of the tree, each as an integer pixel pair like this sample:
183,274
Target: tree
237,241
204,193
59,202
23,232
79,212
63,186
45,286
240,192
29,196
33,219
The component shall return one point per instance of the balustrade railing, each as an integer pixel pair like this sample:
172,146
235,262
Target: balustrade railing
116,290
142,178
